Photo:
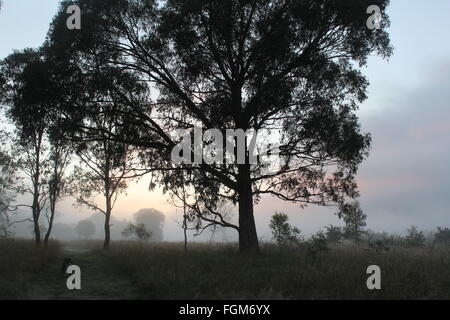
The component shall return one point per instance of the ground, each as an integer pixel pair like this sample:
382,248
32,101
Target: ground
130,270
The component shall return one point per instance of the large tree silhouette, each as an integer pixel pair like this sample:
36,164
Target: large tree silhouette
290,65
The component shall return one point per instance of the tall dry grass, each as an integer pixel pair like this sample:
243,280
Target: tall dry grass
22,264
130,270
219,272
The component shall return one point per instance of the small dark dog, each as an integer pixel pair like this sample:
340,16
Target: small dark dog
66,263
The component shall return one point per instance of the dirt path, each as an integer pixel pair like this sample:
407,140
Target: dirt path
97,280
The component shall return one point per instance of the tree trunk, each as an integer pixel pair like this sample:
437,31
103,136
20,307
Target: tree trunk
248,238
50,223
49,231
108,194
184,215
107,230
37,232
185,233
36,209
54,186
36,213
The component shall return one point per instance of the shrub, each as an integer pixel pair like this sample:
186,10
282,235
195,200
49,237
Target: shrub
334,234
378,246
355,220
85,229
317,244
415,238
283,233
442,236
138,231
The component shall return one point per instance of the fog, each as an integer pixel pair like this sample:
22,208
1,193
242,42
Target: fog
403,182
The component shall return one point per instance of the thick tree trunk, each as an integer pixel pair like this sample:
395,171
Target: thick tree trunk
107,230
248,238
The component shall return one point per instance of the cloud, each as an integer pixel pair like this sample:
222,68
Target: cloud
406,178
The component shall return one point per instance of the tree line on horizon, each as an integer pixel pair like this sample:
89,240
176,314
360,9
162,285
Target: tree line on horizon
354,232
95,108
148,223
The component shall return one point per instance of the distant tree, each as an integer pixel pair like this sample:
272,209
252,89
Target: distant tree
85,229
117,225
378,246
317,244
282,232
442,235
395,240
138,231
153,220
415,237
355,220
63,231
334,234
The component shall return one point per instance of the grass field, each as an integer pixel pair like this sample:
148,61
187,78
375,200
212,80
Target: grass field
164,271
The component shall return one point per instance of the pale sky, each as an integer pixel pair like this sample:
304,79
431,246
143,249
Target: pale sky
405,181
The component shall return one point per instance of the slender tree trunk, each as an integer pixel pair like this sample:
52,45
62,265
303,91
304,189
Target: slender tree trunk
36,207
36,211
108,194
54,186
185,230
184,215
248,238
50,223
